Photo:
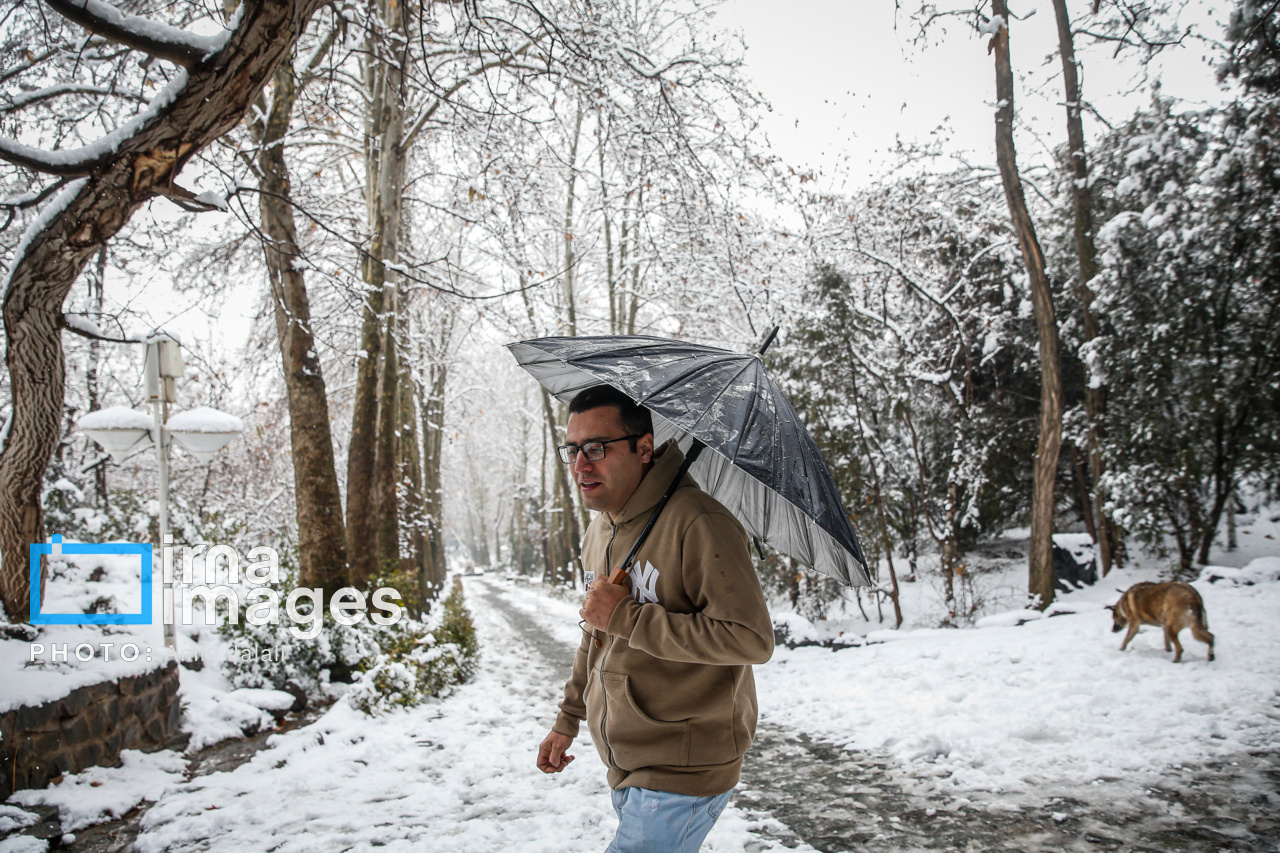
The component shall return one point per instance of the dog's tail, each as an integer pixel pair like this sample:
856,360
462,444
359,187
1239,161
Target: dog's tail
1198,611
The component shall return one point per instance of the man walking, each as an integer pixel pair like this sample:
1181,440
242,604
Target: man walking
668,695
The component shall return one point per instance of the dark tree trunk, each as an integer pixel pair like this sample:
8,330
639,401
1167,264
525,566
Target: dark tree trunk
218,91
96,283
1095,398
432,406
1082,490
385,491
1045,470
564,531
384,175
322,543
363,555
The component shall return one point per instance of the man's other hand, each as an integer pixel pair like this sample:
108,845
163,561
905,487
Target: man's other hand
602,600
551,754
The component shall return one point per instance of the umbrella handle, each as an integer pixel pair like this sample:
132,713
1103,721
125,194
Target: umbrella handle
620,576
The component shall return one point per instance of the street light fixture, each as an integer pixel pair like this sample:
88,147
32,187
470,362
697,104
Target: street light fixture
204,431
122,432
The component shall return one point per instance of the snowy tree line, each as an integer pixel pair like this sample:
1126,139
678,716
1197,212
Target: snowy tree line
918,357
414,184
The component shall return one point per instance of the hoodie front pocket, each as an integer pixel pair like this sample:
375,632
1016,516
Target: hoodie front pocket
636,739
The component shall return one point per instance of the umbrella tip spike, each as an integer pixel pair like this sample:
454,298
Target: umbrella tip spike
768,340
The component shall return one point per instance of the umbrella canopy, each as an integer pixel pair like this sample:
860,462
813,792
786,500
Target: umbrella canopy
765,469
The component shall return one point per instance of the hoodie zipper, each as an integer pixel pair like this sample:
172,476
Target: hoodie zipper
604,692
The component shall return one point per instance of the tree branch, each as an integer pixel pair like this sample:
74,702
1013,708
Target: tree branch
26,99
159,40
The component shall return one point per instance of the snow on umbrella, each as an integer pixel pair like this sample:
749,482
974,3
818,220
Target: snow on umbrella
765,469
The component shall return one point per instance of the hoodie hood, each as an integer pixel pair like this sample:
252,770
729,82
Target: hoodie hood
667,460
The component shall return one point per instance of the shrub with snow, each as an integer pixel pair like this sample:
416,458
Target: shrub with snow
420,660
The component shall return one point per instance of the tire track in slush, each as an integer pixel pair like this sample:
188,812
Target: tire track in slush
836,800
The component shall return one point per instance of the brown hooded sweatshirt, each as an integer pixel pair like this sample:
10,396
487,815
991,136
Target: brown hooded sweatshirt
670,699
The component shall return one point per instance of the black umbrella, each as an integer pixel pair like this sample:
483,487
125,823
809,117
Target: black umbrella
765,469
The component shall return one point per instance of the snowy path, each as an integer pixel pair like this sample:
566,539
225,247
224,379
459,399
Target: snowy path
456,775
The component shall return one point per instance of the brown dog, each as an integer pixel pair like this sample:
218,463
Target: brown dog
1172,606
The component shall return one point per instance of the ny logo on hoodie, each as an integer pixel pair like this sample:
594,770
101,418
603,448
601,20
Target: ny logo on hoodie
644,583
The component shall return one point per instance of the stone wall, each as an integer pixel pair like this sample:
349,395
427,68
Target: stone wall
89,726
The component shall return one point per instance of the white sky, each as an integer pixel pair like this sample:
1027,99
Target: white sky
844,82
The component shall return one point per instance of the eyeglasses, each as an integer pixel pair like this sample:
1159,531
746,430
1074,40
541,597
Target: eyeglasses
593,449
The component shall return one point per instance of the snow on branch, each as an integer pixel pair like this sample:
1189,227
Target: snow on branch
152,37
86,328
43,220
26,99
84,161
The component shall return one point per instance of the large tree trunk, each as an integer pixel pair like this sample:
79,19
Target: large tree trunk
384,187
322,543
409,461
1095,397
565,536
83,219
410,473
432,406
1040,582
385,480
363,556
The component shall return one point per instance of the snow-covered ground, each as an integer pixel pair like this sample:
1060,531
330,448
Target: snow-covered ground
1027,712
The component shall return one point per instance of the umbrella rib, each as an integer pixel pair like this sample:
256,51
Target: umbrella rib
720,394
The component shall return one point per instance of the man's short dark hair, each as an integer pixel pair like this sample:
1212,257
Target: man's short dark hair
635,418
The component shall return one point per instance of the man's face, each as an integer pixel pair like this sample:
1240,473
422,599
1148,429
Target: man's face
605,485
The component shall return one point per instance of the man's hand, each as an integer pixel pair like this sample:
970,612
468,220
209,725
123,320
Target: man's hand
551,754
602,599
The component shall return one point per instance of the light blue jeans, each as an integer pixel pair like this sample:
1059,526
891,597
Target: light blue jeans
662,822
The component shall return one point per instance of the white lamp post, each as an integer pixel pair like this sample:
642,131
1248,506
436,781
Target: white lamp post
122,432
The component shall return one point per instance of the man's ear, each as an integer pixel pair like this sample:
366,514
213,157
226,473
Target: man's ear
644,446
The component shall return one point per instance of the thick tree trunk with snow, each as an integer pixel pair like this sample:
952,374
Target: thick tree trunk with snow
322,543
362,556
431,404
384,188
1045,469
409,468
116,182
385,480
1095,397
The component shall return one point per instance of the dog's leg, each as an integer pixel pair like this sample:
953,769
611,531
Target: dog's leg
1133,632
1170,635
1203,636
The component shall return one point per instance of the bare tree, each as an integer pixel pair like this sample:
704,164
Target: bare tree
322,544
1045,467
98,188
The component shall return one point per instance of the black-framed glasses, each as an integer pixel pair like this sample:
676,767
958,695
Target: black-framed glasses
593,449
